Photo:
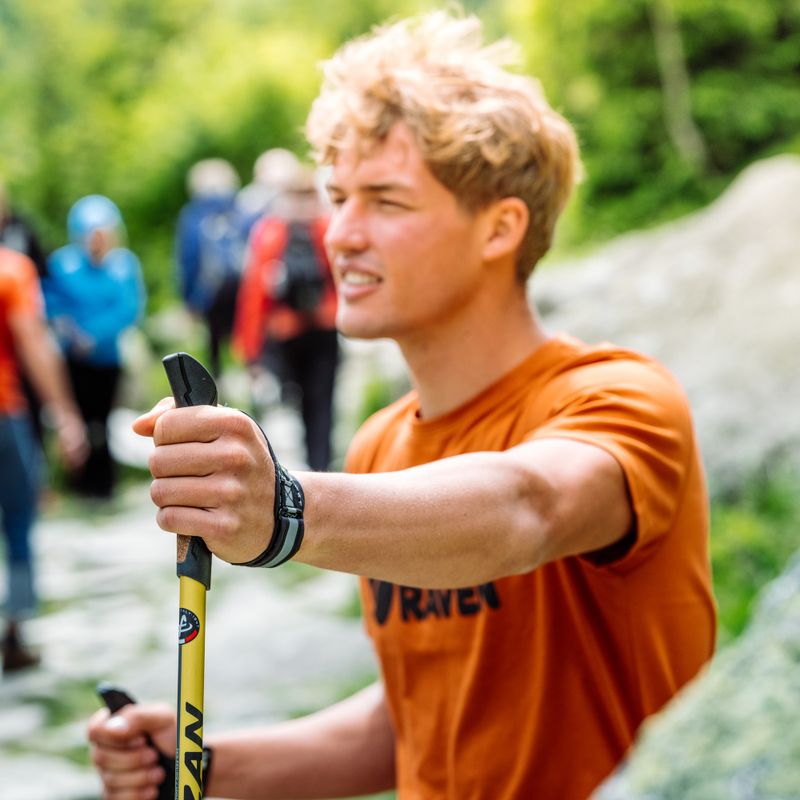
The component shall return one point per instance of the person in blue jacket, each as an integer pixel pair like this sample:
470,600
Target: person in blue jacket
93,293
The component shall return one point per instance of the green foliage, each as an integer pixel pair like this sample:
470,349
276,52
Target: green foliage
121,97
752,538
599,65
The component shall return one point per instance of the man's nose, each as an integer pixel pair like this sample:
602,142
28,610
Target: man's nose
347,231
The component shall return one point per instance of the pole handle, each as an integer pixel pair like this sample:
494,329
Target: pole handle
191,385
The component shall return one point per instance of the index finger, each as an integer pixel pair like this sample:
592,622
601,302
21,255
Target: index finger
190,424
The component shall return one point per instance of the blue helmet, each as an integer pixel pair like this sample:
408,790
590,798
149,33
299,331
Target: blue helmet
90,213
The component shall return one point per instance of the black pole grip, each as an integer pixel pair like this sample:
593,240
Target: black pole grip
191,385
115,699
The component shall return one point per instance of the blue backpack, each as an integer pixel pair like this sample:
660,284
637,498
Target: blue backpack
221,249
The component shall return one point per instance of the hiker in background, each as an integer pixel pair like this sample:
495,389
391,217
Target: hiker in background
17,234
94,293
209,250
26,348
286,312
270,173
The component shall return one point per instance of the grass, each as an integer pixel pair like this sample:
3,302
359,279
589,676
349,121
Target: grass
752,538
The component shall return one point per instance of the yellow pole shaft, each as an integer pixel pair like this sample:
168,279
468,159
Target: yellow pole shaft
191,386
191,673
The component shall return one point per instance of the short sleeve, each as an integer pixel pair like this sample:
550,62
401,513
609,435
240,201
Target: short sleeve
19,287
637,412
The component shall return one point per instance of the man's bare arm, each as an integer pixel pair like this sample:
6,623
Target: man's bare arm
342,751
468,519
456,522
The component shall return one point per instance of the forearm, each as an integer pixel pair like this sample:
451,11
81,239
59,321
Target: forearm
469,519
44,367
343,751
457,522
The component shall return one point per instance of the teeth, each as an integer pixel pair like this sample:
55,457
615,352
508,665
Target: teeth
358,278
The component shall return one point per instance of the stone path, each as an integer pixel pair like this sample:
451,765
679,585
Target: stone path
279,643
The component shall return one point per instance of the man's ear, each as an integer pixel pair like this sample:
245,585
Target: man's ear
507,224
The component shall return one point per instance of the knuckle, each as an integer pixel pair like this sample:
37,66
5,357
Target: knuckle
240,424
165,519
224,526
161,429
98,756
237,458
233,492
157,492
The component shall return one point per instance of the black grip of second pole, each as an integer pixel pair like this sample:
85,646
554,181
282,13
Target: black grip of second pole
115,699
191,385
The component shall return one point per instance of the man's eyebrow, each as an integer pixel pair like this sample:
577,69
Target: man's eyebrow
372,188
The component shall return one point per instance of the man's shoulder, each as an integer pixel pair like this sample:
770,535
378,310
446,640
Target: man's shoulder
581,365
598,378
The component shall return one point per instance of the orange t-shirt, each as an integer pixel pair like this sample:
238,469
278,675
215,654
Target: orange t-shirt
532,687
19,295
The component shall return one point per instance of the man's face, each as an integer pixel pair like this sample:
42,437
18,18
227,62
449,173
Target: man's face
406,257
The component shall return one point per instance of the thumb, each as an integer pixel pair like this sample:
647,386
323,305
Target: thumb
146,423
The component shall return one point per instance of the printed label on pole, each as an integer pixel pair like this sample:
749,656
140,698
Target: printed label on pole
188,627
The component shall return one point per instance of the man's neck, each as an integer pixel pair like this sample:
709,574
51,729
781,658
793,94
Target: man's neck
451,366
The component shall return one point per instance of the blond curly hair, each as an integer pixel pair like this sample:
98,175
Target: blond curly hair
484,132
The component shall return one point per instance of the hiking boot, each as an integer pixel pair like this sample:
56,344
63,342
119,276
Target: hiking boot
16,656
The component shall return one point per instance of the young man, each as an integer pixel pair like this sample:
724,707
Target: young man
532,531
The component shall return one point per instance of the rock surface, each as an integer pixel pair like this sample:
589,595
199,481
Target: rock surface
732,735
716,297
277,645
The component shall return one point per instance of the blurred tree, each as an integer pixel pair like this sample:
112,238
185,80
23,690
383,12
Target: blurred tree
671,98
684,133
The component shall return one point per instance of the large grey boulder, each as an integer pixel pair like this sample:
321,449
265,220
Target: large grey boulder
733,734
716,297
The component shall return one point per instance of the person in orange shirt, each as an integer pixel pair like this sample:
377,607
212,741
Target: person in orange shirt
26,348
529,522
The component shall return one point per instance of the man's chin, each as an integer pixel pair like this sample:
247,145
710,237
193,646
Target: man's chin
356,329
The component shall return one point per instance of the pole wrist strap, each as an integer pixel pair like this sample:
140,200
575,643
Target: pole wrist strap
287,535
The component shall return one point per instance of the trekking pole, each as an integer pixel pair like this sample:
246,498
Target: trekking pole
191,386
